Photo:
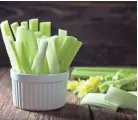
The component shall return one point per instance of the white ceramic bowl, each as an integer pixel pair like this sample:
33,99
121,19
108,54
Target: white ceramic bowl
39,93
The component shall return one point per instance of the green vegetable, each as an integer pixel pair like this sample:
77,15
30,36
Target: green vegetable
98,100
133,92
38,64
5,29
25,24
68,51
52,57
33,24
118,83
45,28
122,98
14,27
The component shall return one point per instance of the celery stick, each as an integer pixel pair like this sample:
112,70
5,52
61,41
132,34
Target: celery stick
25,24
22,56
109,69
14,27
33,24
38,34
38,64
32,47
121,97
118,83
52,58
45,28
98,100
68,51
5,29
87,74
12,53
60,40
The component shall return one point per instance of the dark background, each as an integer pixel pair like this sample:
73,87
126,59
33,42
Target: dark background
108,30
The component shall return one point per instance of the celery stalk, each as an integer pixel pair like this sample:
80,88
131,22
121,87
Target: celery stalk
121,97
38,34
45,28
25,24
98,100
118,83
38,64
52,58
5,29
33,24
14,27
12,53
68,51
60,40
22,56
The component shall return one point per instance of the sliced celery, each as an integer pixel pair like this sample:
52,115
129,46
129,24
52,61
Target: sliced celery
12,53
38,64
5,29
45,28
33,24
98,100
60,40
68,51
32,47
38,34
25,24
52,58
121,97
22,57
14,27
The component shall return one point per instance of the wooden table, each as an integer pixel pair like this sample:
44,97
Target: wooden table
71,111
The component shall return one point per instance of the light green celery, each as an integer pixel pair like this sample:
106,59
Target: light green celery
38,64
45,28
14,27
25,24
38,34
98,100
31,42
108,69
133,92
87,74
122,98
22,57
5,29
68,51
33,24
118,83
12,53
51,55
60,40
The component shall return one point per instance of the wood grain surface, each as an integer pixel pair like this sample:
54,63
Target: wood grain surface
71,111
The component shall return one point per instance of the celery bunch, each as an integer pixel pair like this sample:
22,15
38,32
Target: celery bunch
37,52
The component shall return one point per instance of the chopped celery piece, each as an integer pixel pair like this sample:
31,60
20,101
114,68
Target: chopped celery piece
52,58
108,69
122,98
33,24
118,83
25,24
12,53
98,100
5,29
61,36
14,27
22,57
32,47
38,64
68,51
45,28
87,74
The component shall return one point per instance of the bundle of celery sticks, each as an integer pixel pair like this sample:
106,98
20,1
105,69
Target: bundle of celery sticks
32,49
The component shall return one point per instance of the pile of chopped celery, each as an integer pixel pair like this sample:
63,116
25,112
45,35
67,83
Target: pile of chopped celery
105,87
32,49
